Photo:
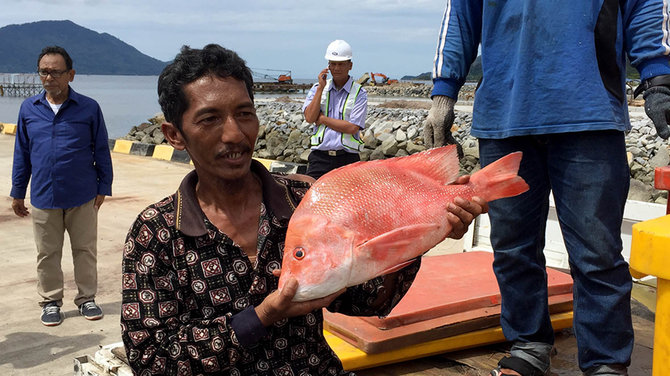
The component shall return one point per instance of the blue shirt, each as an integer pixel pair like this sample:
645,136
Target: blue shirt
549,67
67,153
332,139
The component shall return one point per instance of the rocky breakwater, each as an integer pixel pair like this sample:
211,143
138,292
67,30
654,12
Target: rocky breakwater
416,90
395,128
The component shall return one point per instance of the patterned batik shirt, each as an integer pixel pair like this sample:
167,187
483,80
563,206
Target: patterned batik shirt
189,293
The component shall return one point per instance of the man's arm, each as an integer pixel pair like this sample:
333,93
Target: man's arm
102,158
314,115
312,110
460,33
22,167
155,318
19,207
356,121
648,52
379,295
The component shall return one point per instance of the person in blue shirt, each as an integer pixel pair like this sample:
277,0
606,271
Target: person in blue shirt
337,107
553,87
61,143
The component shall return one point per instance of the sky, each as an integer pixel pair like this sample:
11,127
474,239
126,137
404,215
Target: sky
393,37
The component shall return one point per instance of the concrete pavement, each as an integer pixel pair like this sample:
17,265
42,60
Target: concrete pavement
29,348
26,346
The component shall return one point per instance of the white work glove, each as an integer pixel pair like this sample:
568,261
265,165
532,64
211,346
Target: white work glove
437,127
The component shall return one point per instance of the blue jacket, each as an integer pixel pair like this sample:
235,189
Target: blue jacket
67,153
549,66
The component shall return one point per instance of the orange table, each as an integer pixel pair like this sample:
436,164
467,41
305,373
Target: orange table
453,295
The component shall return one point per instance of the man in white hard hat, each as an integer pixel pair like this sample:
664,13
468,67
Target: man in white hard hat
338,114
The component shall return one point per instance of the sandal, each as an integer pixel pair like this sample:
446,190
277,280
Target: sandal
517,364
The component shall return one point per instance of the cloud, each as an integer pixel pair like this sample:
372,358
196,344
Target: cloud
398,36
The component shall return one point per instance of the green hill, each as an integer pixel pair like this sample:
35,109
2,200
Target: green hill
474,75
476,72
92,52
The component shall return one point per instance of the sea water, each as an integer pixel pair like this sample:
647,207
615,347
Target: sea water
126,101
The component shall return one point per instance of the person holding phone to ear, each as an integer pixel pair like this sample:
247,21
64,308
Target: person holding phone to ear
338,114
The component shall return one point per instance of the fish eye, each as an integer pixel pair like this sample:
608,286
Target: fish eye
299,253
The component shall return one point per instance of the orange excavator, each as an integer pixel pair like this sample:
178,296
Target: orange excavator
375,79
283,78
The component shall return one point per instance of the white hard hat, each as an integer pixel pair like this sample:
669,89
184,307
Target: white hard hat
338,50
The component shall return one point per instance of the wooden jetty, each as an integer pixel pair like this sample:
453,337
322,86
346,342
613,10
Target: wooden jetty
19,84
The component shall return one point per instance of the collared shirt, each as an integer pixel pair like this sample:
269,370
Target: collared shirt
189,292
67,154
332,139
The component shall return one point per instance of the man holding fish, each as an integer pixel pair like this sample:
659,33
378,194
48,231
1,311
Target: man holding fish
201,267
553,87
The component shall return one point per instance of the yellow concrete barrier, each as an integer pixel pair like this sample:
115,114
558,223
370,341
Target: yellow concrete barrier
266,162
650,255
163,152
122,146
8,128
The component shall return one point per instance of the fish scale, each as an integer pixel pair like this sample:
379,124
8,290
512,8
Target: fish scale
369,218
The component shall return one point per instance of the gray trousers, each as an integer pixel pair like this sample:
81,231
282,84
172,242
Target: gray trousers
49,226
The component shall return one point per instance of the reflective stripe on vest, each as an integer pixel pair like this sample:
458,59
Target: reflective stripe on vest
349,141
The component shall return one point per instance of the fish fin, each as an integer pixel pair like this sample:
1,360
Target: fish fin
400,239
499,179
395,268
440,164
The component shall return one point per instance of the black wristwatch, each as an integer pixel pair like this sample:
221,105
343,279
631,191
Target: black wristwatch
662,80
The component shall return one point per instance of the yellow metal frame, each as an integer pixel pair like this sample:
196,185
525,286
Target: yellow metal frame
650,255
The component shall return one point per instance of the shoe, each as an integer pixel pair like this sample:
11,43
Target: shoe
51,315
90,310
518,365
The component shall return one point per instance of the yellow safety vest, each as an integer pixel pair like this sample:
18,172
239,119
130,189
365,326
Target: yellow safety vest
349,141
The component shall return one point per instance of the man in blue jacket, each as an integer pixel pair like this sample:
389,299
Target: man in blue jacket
61,141
553,87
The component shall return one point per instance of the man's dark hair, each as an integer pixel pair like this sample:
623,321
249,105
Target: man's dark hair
191,64
56,50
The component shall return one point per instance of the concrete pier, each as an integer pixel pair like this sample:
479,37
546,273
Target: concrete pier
19,85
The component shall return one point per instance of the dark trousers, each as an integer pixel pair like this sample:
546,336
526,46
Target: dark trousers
588,174
320,162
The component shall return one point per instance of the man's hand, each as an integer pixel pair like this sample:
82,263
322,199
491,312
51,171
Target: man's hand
279,305
99,199
462,212
19,207
437,128
657,107
323,75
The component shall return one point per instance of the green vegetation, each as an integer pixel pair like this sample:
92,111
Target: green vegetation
476,72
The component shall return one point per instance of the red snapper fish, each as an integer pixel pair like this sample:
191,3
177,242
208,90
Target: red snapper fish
372,218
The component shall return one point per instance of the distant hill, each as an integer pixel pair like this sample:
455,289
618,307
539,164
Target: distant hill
476,72
474,75
91,52
427,76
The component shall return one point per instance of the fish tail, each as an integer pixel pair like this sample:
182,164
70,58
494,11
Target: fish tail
499,179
